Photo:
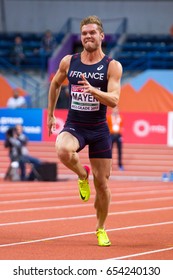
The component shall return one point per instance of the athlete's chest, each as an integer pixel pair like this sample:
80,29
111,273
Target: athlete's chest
95,74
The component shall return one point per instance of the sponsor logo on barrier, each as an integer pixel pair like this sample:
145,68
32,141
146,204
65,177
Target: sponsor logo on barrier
143,128
30,120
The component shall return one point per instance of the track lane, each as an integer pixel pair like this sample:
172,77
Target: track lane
132,204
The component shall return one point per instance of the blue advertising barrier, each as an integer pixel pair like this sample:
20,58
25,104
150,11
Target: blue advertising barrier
30,119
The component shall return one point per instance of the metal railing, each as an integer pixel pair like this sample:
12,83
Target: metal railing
21,79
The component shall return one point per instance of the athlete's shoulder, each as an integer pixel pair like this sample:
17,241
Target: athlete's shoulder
115,69
115,64
66,59
65,62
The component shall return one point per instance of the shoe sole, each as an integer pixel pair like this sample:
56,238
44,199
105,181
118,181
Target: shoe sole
105,244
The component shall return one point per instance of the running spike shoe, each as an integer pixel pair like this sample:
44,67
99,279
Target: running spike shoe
84,188
102,237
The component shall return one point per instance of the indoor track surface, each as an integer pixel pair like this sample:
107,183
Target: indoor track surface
48,221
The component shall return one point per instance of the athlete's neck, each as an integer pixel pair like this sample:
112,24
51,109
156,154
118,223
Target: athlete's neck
91,57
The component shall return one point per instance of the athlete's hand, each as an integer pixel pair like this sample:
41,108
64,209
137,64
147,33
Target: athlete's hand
85,85
51,123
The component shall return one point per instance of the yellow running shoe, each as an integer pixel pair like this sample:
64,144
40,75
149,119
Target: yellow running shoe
84,188
102,237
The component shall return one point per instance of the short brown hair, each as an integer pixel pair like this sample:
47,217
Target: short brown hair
92,20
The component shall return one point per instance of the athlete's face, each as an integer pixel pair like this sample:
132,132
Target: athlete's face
91,37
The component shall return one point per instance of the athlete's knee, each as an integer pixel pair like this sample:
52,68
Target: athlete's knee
63,153
101,178
101,183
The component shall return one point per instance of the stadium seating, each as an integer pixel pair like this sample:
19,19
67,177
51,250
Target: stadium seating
140,52
31,42
137,52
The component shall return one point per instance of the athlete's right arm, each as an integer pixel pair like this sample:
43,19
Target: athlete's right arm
55,88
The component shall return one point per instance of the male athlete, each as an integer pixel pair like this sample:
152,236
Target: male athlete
94,84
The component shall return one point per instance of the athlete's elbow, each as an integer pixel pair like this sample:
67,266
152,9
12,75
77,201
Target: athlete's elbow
54,84
114,103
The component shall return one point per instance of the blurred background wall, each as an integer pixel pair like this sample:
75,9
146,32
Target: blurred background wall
38,15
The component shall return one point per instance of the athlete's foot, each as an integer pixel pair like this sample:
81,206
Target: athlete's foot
121,168
102,237
83,185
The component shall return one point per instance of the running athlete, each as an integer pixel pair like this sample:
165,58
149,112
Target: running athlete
94,84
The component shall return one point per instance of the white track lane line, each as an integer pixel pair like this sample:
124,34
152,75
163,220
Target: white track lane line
75,197
166,198
86,216
142,254
84,233
64,191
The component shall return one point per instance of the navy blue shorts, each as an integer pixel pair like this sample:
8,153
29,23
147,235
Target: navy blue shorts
96,136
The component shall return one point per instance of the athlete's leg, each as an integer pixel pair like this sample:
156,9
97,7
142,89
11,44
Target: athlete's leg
66,147
101,171
119,147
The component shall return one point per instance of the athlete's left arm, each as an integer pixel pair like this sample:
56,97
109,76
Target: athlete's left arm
111,97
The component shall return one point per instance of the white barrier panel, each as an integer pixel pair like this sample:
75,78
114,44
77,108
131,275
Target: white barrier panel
170,129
